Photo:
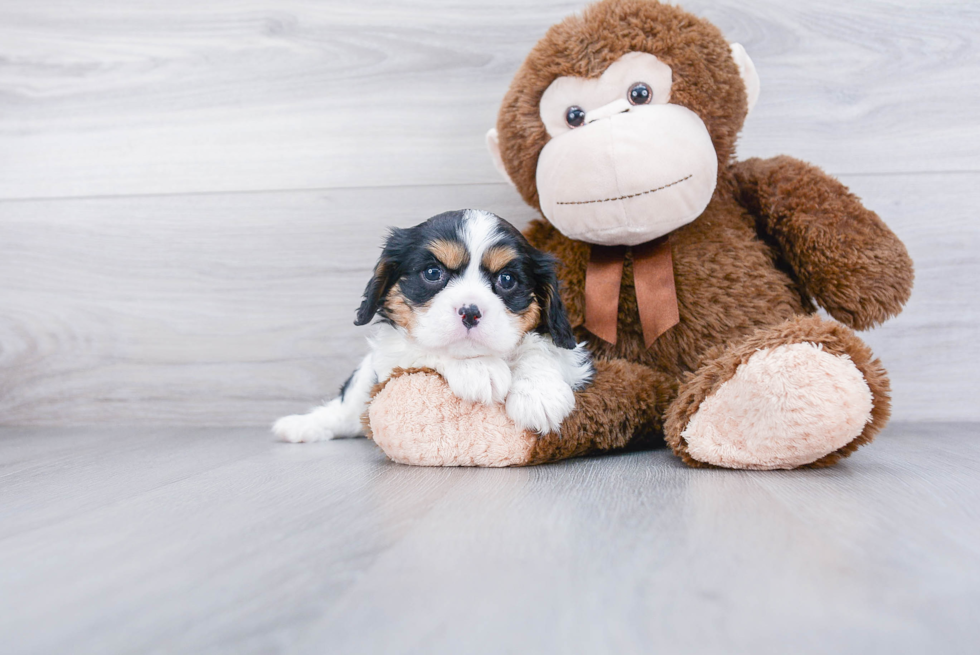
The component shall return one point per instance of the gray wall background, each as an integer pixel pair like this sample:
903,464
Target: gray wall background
192,194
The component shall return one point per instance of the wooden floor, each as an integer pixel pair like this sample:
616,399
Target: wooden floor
222,541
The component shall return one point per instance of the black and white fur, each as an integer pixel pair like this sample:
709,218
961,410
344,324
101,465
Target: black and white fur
497,335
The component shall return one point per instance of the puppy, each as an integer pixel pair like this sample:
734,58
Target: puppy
463,293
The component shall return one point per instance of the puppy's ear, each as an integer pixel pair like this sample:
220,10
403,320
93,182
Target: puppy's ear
386,273
554,319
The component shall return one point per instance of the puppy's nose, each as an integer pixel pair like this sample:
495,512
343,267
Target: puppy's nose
471,315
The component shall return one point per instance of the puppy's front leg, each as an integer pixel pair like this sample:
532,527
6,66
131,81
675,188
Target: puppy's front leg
541,393
477,379
341,417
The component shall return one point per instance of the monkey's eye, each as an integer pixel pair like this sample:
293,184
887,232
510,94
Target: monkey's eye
506,281
574,116
432,274
640,94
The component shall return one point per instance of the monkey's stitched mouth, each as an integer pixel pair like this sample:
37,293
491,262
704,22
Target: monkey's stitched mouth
632,195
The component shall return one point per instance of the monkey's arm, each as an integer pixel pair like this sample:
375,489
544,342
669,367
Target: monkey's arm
842,254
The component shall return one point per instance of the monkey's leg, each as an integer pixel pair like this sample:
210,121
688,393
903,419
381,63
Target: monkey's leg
415,419
624,400
806,392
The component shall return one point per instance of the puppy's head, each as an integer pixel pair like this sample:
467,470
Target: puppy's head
466,283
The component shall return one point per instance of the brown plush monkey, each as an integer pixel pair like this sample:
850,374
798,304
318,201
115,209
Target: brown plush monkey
694,278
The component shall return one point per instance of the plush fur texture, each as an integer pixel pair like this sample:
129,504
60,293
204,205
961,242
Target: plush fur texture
651,164
415,419
778,238
785,407
706,77
723,365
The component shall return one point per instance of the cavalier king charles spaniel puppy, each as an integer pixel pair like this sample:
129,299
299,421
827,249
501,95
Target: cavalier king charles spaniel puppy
465,294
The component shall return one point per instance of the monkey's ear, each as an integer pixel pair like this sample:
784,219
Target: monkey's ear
749,75
493,145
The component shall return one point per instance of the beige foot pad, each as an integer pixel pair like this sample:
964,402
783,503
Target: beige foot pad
786,407
416,419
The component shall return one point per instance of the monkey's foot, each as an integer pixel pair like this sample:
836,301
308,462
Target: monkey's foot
416,419
780,405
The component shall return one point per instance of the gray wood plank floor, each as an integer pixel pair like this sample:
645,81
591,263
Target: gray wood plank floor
221,541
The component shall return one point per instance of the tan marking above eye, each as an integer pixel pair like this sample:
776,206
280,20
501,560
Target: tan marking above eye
496,257
452,254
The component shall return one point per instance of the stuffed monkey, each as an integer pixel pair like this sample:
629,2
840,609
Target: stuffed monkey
694,278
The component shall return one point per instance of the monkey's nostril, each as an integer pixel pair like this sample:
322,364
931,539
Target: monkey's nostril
616,107
471,315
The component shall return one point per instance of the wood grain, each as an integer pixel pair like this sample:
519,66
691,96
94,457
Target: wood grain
192,195
220,541
929,347
204,185
235,309
194,310
115,98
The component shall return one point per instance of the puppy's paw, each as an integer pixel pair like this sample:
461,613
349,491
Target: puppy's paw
500,379
335,419
540,406
480,379
302,428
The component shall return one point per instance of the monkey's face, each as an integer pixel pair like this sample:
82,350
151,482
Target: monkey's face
618,122
623,165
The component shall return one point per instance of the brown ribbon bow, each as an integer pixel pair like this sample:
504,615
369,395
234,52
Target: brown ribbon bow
653,278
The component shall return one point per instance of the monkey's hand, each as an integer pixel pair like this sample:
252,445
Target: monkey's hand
842,254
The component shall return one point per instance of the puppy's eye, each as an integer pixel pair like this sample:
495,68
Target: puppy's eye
506,281
640,94
574,116
432,274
